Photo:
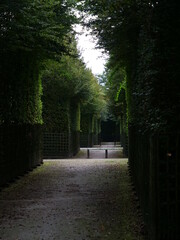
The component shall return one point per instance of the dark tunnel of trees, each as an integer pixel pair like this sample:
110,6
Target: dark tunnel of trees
47,93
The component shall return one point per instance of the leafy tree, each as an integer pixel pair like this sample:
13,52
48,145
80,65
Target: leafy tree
31,31
65,82
144,44
142,38
35,25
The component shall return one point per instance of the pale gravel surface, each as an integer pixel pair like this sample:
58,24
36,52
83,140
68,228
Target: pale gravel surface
71,199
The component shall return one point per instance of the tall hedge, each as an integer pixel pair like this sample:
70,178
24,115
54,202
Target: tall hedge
143,39
21,89
30,32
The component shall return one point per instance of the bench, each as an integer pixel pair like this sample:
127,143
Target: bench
104,149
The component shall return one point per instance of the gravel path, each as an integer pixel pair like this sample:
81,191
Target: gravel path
72,199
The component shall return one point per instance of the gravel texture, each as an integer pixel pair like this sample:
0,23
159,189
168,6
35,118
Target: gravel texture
71,199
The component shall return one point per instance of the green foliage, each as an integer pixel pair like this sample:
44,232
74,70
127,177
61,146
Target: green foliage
116,30
116,91
20,95
142,39
30,31
69,80
75,113
71,77
35,25
96,104
90,124
85,123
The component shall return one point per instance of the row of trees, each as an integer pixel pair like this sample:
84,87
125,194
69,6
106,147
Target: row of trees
143,40
30,32
69,80
73,101
42,79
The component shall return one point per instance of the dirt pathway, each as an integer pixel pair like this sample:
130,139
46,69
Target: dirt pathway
78,199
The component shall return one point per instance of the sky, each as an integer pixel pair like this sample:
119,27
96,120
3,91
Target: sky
93,58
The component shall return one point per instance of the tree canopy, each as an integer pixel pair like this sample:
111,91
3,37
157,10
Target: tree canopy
35,25
142,39
67,82
31,31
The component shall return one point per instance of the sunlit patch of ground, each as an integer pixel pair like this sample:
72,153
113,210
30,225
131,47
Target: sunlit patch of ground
71,200
99,152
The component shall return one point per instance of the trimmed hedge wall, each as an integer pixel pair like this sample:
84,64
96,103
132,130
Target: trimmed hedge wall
20,150
154,163
61,139
20,113
90,130
74,143
20,88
